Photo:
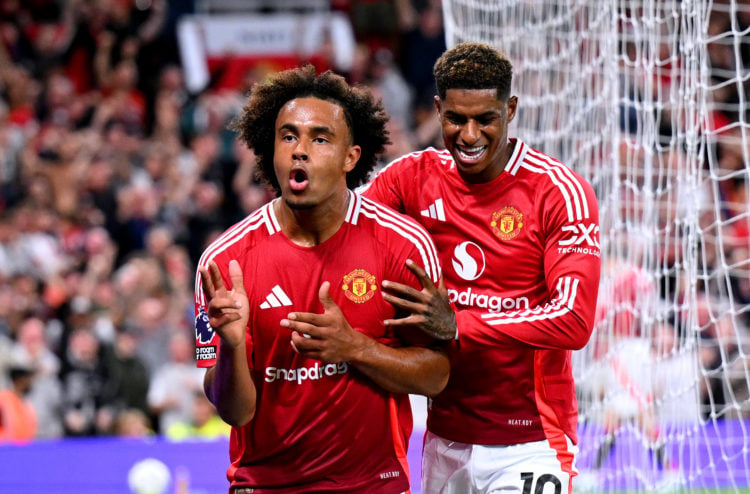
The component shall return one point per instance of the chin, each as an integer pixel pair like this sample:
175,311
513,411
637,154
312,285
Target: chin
471,169
298,204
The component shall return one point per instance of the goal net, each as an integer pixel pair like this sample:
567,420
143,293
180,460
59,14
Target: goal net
648,100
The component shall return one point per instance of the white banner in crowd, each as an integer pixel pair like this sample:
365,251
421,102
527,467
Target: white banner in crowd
205,37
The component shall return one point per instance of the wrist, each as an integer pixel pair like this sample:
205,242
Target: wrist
361,347
232,345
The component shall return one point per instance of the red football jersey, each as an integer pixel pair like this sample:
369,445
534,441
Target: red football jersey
318,427
521,262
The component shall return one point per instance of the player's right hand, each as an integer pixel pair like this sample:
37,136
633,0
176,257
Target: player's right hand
228,307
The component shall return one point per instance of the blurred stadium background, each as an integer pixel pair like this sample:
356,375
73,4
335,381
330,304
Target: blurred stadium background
116,168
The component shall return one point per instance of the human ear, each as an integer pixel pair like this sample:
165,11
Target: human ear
352,157
512,105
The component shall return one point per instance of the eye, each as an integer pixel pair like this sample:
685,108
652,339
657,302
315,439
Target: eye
287,138
320,140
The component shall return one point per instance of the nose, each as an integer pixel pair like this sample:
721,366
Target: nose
300,151
470,132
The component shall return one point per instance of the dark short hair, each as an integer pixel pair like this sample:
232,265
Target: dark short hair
473,65
365,117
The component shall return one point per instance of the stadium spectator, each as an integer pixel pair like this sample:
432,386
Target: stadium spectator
45,394
524,287
170,394
128,377
132,422
299,387
204,422
423,41
86,411
388,84
152,326
375,22
18,420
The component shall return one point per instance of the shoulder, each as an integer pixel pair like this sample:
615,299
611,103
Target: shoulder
429,158
242,236
426,157
552,179
394,229
399,180
545,169
382,219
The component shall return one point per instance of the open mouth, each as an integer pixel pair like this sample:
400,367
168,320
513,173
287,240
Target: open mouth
298,180
470,153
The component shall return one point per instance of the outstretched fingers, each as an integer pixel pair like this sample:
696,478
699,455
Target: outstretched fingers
216,279
422,276
404,292
223,307
206,283
404,301
211,280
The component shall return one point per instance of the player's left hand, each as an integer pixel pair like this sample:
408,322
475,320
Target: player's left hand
327,337
429,309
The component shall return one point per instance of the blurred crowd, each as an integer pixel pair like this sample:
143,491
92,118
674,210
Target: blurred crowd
114,177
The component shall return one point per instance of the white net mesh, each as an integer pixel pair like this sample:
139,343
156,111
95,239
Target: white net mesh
647,99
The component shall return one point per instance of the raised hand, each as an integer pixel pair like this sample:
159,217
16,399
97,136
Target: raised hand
429,309
327,337
228,307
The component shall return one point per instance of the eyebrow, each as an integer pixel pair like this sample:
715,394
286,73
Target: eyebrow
318,129
490,113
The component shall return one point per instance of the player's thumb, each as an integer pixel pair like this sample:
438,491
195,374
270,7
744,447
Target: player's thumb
235,274
324,295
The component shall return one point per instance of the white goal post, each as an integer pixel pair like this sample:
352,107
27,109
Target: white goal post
649,101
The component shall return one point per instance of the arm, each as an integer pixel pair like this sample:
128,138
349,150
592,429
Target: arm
328,337
228,384
565,322
571,267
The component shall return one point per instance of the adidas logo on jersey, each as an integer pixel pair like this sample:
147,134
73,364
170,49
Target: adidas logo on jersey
277,298
435,211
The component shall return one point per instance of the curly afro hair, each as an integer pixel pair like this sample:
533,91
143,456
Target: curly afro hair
365,117
473,65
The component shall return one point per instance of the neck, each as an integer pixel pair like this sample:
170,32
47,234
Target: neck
494,171
312,226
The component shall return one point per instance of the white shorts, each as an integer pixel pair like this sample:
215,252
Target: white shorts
450,467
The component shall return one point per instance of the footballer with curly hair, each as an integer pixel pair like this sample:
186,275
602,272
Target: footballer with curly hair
289,311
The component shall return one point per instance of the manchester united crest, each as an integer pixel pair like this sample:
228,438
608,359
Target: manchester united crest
507,223
359,286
